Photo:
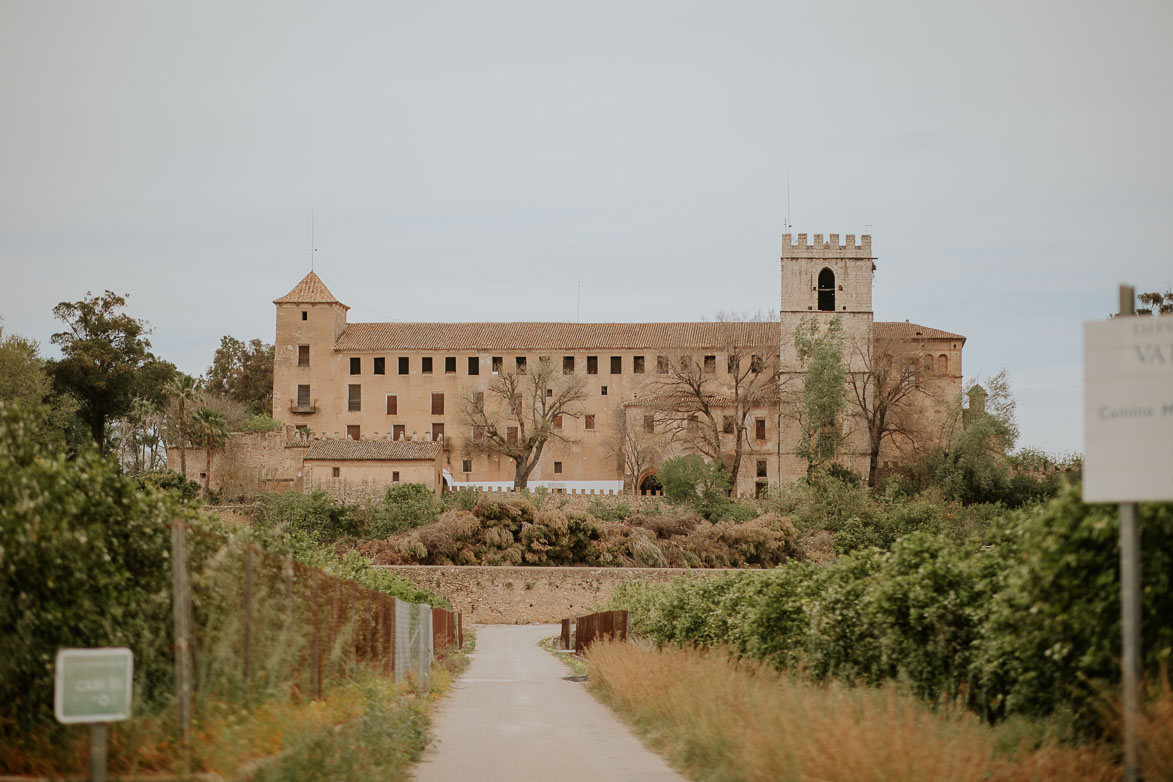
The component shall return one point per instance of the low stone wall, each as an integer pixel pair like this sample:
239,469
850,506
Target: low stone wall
517,595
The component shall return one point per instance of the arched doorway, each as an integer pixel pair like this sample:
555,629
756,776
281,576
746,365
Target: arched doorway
826,290
650,484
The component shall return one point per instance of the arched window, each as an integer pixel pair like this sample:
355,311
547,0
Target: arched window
942,364
826,290
928,363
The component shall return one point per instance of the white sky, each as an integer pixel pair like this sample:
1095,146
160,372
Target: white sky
475,161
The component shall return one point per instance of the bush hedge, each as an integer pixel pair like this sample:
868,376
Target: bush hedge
1026,622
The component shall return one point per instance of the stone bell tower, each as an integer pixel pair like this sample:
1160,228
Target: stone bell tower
824,279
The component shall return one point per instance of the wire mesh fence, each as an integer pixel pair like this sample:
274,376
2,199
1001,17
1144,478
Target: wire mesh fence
250,621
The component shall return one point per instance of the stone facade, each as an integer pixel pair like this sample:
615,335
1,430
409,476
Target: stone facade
395,382
517,595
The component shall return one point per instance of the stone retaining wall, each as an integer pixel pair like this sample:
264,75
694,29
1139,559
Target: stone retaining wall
517,595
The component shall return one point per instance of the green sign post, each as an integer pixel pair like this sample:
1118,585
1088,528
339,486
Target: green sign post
94,686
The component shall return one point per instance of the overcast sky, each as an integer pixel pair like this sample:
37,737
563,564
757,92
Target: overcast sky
476,161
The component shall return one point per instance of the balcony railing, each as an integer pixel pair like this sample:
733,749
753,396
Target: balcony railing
294,407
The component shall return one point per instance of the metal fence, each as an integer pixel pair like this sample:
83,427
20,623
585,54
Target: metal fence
592,627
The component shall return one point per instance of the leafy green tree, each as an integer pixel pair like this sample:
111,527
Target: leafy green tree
25,383
976,466
819,406
210,428
105,361
243,371
690,480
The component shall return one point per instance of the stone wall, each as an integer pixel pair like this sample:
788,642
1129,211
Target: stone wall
517,595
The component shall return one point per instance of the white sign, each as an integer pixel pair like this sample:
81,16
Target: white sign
93,685
1128,409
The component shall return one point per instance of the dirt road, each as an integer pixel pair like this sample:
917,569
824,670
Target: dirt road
514,717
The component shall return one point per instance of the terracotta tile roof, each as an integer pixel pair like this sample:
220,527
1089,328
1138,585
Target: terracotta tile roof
311,290
906,330
554,336
373,450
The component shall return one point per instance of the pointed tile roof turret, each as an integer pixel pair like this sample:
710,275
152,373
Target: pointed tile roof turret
311,290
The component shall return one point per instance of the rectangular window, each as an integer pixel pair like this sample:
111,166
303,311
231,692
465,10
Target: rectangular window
355,365
549,393
568,365
498,364
710,364
450,365
353,432
637,365
478,434
303,355
649,423
544,361
759,491
521,365
474,365
426,365
755,363
727,425
761,468
336,472
602,391
437,404
685,363
592,365
380,366
305,315
399,431
392,404
556,421
732,363
511,434
759,429
557,468
404,365
478,400
466,465
437,431
354,398
588,421
303,397
616,365
395,476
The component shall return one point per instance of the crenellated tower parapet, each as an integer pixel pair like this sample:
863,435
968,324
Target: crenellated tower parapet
828,248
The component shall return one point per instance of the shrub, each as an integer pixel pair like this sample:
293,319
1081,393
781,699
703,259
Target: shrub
262,423
314,515
404,506
689,480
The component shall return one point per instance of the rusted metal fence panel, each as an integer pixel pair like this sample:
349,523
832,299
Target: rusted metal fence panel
592,627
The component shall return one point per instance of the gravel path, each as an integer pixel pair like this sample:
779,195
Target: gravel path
514,717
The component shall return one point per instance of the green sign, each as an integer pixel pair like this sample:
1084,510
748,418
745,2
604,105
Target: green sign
93,685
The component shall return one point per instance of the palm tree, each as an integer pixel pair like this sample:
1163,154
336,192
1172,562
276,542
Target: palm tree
183,388
210,426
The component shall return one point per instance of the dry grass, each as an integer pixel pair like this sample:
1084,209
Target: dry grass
717,719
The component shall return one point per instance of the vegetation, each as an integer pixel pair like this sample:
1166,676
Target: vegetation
1021,619
84,562
515,532
717,718
243,372
106,363
819,406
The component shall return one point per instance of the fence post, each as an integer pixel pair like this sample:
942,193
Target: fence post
315,650
460,631
248,618
180,608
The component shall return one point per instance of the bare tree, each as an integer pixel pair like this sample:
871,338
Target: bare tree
708,411
522,414
635,448
882,393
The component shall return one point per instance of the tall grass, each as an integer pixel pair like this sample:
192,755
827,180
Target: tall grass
719,719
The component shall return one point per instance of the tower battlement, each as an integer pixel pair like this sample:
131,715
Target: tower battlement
828,248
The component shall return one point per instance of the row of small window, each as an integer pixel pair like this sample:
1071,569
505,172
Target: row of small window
497,363
728,425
